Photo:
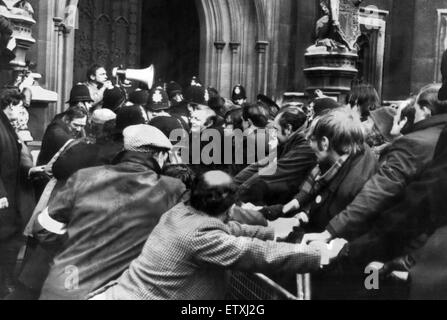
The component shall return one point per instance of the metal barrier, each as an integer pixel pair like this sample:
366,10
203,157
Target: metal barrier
244,286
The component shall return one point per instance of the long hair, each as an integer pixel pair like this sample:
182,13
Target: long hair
366,97
75,112
293,117
342,128
10,96
257,113
428,97
92,70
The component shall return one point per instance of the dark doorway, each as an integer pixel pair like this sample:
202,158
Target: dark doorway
364,61
171,39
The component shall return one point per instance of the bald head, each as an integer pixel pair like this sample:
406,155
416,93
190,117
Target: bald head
203,118
213,193
215,179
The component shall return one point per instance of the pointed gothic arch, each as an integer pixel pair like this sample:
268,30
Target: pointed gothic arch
235,38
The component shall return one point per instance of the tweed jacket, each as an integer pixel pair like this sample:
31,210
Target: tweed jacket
187,254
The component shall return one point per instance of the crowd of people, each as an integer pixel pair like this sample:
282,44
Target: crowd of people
142,194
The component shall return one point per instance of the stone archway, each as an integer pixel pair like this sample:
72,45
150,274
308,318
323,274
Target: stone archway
235,45
235,41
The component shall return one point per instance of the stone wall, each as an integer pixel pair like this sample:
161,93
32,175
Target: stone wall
423,63
262,42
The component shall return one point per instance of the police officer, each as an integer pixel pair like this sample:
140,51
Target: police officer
239,95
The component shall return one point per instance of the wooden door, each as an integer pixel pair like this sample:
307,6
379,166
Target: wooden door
109,35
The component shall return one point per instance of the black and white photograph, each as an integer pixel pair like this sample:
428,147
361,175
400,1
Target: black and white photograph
223,154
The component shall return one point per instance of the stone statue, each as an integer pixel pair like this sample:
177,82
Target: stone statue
339,28
331,63
18,7
26,7
6,54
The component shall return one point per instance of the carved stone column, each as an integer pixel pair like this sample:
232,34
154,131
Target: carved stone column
235,67
60,50
219,45
261,74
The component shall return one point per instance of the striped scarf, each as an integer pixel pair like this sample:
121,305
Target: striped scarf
317,180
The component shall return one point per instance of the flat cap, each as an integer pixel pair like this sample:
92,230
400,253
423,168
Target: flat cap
142,137
101,116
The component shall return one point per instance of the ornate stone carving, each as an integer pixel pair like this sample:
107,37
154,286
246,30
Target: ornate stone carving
234,46
220,45
20,14
331,62
134,33
349,20
261,46
22,22
339,28
24,7
121,32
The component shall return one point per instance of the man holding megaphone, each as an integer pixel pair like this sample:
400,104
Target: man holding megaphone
97,83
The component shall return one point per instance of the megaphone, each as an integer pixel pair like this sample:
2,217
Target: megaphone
145,76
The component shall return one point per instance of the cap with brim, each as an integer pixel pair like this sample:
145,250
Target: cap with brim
238,93
143,138
80,93
158,107
196,95
158,100
79,100
101,116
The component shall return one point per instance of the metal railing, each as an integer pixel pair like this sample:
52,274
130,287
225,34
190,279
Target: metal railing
244,286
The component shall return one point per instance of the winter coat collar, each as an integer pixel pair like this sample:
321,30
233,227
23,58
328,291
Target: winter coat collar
137,158
434,121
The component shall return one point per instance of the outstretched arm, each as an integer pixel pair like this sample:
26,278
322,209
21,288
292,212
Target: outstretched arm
221,249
